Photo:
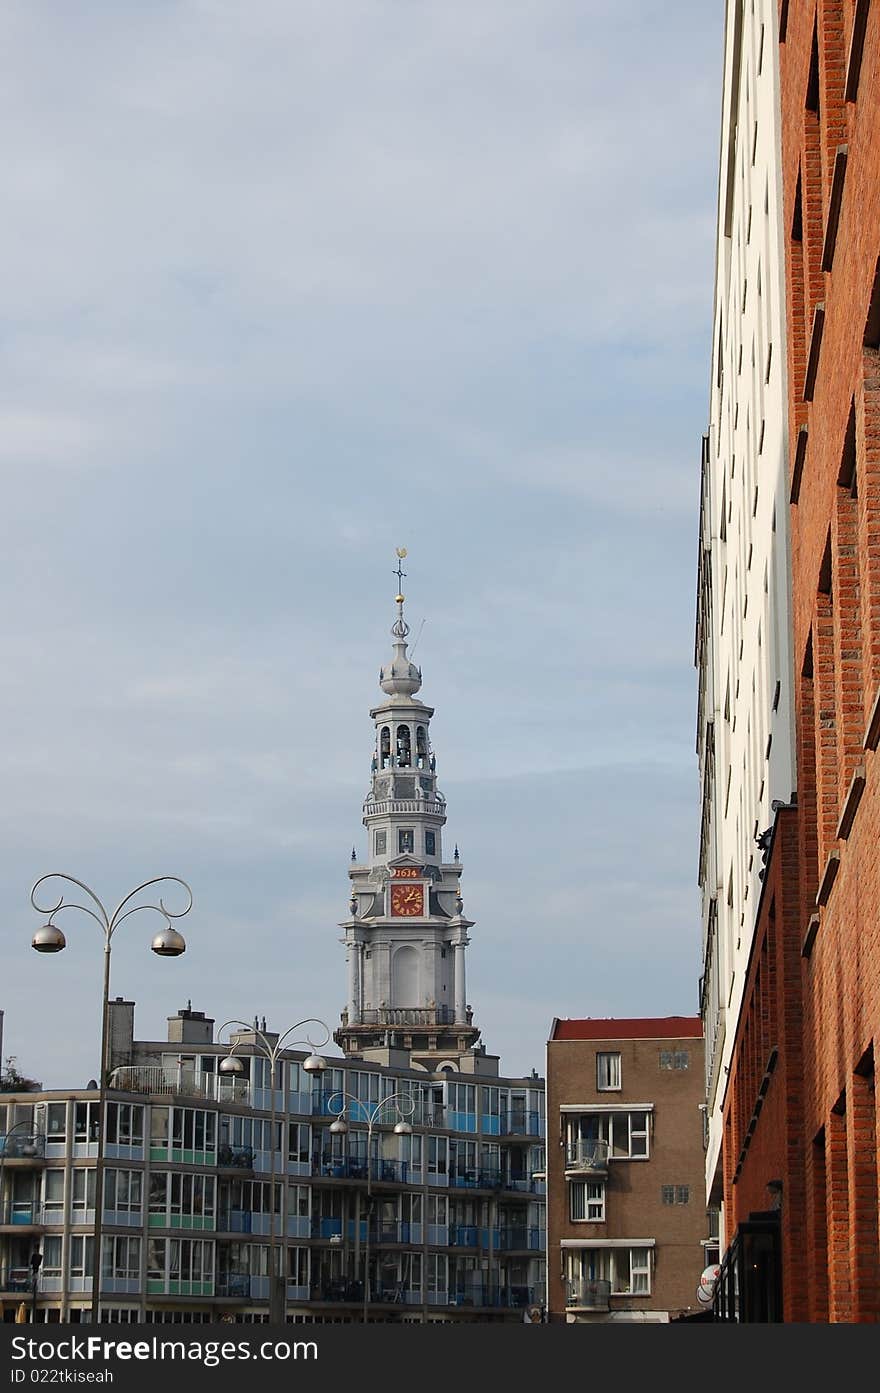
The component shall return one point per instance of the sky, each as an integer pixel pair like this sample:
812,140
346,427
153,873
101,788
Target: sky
287,285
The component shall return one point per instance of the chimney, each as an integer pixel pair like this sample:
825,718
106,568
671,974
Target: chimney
190,1027
120,1024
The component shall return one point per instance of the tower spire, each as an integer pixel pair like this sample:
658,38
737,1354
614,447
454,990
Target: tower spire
400,677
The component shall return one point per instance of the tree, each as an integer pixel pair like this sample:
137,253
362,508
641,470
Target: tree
11,1081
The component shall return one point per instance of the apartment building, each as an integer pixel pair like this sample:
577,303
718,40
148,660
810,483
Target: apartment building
745,733
628,1232
455,1214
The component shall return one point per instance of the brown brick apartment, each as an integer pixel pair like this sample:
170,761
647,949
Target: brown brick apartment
628,1233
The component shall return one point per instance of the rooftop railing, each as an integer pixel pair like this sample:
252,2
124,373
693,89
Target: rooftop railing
190,1083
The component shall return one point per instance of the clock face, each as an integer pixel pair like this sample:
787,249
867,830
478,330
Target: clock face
408,900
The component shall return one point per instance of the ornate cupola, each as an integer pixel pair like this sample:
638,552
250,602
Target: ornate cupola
406,937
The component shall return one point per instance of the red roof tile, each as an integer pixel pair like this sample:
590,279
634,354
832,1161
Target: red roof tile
640,1028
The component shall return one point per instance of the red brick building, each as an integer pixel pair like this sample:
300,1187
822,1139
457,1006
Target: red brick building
801,1119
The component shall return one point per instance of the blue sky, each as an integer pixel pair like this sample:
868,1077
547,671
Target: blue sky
288,285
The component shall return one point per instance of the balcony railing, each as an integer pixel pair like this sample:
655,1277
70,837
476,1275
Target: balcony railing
22,1146
337,1289
355,1168
464,1236
16,1279
21,1212
233,1284
475,1178
235,1157
234,1221
395,1231
508,1296
590,1156
190,1083
588,1294
521,1238
519,1123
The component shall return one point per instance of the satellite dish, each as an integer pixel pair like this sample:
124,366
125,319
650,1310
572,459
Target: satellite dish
708,1277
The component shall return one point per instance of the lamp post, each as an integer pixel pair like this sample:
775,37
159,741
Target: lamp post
168,943
234,1065
402,1128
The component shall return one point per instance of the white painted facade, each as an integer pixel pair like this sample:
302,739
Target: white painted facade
745,727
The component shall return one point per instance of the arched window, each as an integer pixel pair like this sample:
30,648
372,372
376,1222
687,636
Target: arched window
421,746
385,747
404,747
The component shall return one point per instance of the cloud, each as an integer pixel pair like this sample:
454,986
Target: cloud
288,286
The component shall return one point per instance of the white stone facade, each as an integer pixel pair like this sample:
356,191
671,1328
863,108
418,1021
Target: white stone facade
745,737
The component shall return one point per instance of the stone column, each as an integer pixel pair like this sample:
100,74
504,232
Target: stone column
458,983
352,959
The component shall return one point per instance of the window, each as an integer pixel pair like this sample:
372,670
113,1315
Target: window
587,1200
82,1193
82,1253
125,1124
675,1194
51,1255
53,1196
123,1190
437,1155
299,1137
405,839
607,1071
675,1059
381,843
122,1257
56,1122
430,844
86,1122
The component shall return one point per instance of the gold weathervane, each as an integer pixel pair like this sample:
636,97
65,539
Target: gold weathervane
400,573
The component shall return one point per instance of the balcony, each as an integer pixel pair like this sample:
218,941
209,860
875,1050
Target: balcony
154,1080
521,1238
519,1123
23,1146
587,1294
587,1158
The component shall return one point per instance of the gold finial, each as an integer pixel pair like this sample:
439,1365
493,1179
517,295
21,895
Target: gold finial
401,552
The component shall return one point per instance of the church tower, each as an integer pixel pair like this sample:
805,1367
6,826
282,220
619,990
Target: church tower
406,938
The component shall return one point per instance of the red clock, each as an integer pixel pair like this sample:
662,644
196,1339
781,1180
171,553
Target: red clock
408,900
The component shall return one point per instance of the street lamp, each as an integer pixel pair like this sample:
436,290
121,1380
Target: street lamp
370,1116
168,943
314,1064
